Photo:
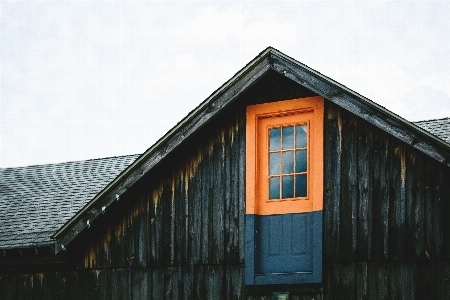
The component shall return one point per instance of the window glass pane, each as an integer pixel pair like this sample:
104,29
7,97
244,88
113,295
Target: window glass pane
288,137
300,185
274,188
301,136
288,187
274,136
300,161
274,162
288,162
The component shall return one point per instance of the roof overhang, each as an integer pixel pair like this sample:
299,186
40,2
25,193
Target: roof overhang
269,59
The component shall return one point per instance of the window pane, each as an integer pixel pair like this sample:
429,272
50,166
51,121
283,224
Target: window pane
288,162
288,137
300,185
274,186
301,136
274,162
274,136
300,161
288,186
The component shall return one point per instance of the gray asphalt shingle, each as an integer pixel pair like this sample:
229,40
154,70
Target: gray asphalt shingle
438,127
36,201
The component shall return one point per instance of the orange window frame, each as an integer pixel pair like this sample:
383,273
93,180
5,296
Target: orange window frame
260,118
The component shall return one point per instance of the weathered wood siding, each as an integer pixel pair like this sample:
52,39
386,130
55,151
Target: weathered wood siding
179,232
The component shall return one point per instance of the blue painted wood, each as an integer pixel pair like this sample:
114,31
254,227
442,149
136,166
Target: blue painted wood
249,249
284,249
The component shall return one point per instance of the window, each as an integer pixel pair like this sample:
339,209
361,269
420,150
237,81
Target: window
284,175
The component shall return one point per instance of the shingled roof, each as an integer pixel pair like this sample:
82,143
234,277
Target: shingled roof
36,201
438,127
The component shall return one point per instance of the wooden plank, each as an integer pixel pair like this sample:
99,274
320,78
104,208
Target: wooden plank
8,287
43,285
414,205
157,283
79,284
172,283
167,217
228,180
195,207
380,208
206,204
234,282
198,291
365,192
217,192
332,182
443,280
24,286
140,284
402,278
397,173
62,286
349,194
241,187
362,280
214,283
120,283
377,280
155,224
187,282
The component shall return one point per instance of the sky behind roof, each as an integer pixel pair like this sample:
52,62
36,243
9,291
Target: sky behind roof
91,79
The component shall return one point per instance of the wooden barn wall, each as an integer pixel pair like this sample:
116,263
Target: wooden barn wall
179,232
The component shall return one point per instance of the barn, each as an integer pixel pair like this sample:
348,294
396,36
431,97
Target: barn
283,184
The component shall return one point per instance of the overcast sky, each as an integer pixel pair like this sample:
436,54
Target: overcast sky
92,79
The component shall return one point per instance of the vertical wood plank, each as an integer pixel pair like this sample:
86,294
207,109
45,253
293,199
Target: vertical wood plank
414,205
43,285
157,283
207,206
8,287
397,170
349,194
140,284
234,285
365,192
214,282
217,196
377,280
120,283
24,286
241,186
380,208
62,287
332,182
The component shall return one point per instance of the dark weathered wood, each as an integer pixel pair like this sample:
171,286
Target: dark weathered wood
397,173
349,192
8,287
24,285
218,198
332,183
140,284
414,206
365,192
380,207
157,291
121,283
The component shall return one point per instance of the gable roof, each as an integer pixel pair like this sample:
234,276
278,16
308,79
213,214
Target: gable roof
437,127
37,200
270,60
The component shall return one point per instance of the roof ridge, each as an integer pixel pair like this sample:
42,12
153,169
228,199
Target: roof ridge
440,119
69,162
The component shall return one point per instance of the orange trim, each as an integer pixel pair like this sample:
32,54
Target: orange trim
289,112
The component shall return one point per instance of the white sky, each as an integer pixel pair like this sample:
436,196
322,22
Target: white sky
91,79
